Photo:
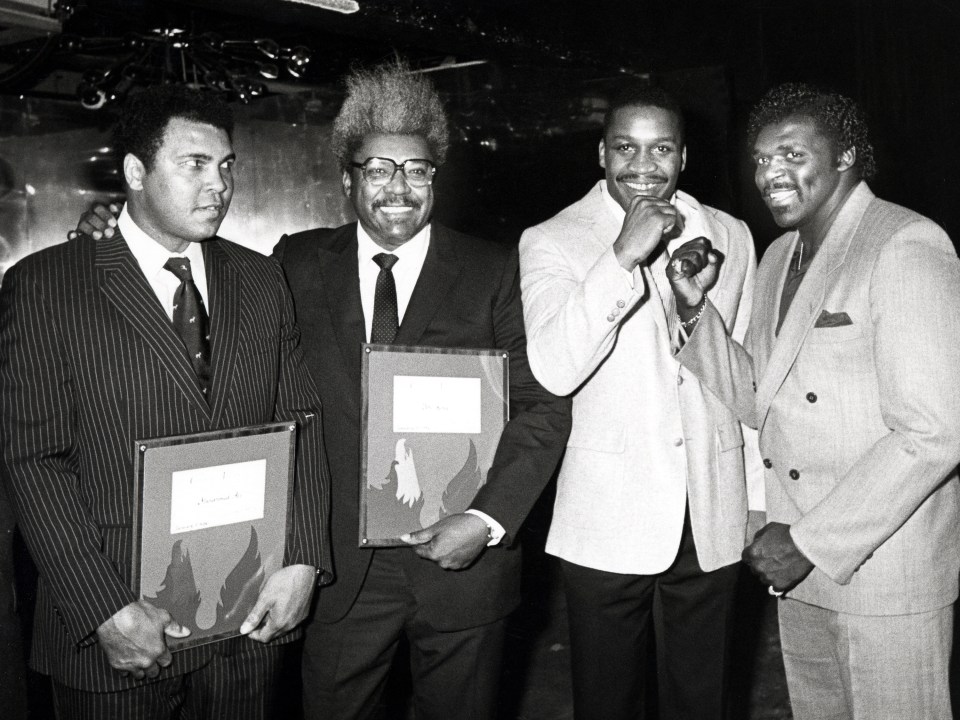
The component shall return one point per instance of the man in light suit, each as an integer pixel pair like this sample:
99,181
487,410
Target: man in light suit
651,509
849,370
450,593
93,355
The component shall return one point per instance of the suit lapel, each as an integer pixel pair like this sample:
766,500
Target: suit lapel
125,287
438,275
225,308
341,284
808,302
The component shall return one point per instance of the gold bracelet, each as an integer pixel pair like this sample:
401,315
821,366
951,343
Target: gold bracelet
693,320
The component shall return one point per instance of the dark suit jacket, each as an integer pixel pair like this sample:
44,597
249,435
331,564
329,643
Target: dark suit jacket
89,362
468,296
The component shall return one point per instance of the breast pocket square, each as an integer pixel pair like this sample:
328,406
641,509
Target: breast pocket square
829,320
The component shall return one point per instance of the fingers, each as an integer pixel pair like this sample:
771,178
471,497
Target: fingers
98,222
256,616
266,632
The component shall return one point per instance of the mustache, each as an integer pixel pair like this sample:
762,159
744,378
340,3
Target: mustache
415,204
634,177
770,187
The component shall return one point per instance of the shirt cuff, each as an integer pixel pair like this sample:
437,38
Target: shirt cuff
496,529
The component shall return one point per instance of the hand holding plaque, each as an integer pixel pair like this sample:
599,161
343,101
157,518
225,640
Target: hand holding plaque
134,639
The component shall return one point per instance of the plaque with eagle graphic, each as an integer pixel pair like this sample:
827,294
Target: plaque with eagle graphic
432,419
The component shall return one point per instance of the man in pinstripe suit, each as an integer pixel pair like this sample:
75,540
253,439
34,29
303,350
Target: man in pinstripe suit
90,360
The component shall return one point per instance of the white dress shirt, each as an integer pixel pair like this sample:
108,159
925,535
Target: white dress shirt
406,272
151,256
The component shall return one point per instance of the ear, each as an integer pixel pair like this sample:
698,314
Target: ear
603,160
133,171
847,159
683,159
346,181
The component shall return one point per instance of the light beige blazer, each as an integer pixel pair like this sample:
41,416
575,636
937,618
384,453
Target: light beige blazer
859,423
622,489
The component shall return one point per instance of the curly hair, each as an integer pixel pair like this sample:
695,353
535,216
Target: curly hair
145,116
391,99
837,117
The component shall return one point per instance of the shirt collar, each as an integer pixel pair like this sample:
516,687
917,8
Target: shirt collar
414,247
151,255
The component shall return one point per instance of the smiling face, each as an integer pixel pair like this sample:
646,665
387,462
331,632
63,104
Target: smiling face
800,175
642,152
392,213
185,194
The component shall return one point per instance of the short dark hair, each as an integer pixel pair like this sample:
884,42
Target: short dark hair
840,119
145,116
635,93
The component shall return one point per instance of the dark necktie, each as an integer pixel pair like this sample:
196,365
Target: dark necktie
385,322
190,321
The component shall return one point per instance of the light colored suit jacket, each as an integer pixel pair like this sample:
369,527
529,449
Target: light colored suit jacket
622,489
859,422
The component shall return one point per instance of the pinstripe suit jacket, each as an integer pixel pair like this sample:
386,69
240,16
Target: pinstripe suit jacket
89,362
859,422
467,296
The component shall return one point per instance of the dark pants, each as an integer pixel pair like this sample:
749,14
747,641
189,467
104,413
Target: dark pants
611,616
242,686
346,664
13,668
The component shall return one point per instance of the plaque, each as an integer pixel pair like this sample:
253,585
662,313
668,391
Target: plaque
211,518
432,420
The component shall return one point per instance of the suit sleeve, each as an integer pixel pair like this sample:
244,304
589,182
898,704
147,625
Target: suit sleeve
536,435
914,291
40,462
571,323
752,461
722,365
298,400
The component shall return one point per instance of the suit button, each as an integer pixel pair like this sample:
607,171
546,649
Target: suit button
679,379
794,475
678,442
611,318
616,311
811,397
754,387
621,304
767,464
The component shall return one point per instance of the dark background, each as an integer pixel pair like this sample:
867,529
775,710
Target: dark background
527,121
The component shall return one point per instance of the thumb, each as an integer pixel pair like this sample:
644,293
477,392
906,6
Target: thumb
175,630
709,272
419,537
255,617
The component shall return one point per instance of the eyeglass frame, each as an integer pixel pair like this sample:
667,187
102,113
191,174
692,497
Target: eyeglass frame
396,166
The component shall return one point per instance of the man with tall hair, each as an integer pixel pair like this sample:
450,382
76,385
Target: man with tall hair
450,592
651,510
96,351
849,370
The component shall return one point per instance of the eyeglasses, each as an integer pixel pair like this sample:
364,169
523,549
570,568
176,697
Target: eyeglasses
381,171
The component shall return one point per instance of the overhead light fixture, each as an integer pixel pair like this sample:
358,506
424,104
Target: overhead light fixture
171,55
341,6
